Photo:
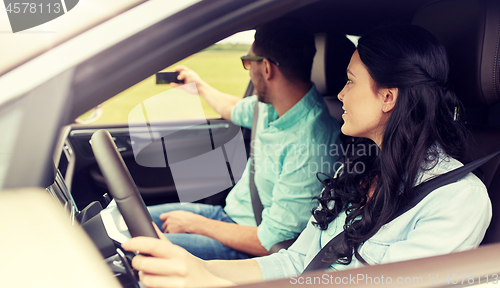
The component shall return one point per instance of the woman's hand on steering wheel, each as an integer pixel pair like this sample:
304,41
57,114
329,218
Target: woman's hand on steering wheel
169,265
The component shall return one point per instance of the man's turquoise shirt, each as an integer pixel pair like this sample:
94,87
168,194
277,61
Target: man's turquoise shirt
289,151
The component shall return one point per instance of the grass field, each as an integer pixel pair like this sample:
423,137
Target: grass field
220,68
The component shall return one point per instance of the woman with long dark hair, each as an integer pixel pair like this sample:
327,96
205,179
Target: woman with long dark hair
397,97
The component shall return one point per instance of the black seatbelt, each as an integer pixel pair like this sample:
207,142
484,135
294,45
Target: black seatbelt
421,191
254,193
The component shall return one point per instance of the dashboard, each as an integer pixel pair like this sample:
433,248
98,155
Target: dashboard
59,191
105,226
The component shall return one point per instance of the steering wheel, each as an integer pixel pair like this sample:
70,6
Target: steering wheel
122,186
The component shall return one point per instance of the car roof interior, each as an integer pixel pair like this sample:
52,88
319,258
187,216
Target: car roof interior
355,17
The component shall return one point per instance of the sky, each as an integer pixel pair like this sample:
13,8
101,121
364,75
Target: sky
245,37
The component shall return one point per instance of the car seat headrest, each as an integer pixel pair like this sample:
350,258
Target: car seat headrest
470,31
333,53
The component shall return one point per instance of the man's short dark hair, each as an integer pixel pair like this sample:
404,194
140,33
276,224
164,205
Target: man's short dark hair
288,43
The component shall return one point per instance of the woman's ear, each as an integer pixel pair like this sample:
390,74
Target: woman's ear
389,98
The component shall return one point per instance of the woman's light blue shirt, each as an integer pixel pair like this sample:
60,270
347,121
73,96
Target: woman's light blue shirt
450,219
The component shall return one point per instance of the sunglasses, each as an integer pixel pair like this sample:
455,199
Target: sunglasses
246,60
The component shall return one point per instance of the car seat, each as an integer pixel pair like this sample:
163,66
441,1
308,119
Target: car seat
470,31
333,54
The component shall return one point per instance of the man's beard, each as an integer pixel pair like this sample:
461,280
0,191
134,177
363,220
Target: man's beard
261,89
261,96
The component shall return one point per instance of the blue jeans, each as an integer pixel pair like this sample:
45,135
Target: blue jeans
201,246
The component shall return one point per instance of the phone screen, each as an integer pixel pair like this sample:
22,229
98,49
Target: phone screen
168,77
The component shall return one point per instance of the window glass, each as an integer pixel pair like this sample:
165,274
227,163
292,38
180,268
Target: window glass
219,65
354,39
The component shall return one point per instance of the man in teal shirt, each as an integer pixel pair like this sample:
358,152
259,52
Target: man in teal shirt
296,137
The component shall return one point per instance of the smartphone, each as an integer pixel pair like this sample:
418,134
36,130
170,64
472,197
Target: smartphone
168,77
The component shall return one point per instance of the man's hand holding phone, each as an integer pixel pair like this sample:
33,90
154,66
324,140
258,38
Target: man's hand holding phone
184,75
168,78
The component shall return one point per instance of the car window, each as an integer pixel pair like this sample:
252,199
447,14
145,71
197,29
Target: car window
219,65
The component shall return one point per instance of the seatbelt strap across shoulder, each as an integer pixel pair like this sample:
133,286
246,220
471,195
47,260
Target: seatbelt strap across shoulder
254,193
421,191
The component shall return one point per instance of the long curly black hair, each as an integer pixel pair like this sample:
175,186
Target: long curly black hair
411,59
